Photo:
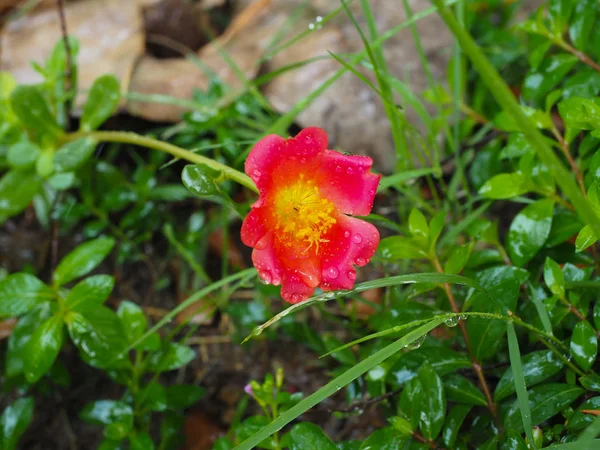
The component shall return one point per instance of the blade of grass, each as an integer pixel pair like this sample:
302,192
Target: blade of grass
336,384
402,177
506,100
520,387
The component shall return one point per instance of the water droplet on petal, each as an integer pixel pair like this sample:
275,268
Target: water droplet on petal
295,298
265,277
352,274
346,234
256,173
333,273
451,321
357,238
371,191
261,244
360,261
416,343
338,168
349,170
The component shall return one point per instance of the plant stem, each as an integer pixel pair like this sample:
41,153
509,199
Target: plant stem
565,149
463,328
124,137
580,55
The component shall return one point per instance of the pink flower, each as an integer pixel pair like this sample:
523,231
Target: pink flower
299,227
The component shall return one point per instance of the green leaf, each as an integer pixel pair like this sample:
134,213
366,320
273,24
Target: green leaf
513,441
31,108
400,247
559,12
91,291
582,23
17,189
21,335
585,239
134,320
459,256
591,382
83,259
181,396
199,179
461,390
101,103
140,441
23,155
20,292
14,421
383,439
542,80
152,397
411,402
506,122
529,231
504,185
581,420
435,228
74,154
554,277
584,345
169,193
565,224
580,113
453,422
308,436
42,349
596,314
98,334
105,412
417,225
172,356
537,367
545,402
433,411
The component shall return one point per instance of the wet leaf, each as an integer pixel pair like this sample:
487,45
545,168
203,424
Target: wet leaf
585,239
105,412
171,357
101,103
584,345
453,422
400,247
581,420
23,155
17,190
14,421
411,401
83,259
529,231
20,292
458,258
181,396
542,80
554,277
591,382
537,367
565,224
29,105
308,436
384,439
461,390
513,441
75,154
546,401
417,225
43,348
140,441
580,113
433,410
93,290
582,23
505,185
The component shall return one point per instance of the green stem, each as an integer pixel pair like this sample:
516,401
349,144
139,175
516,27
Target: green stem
124,137
506,100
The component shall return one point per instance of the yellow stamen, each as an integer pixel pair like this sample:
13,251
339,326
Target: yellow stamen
302,214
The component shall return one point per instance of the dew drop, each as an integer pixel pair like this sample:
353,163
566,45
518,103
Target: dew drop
295,298
261,244
357,238
371,191
311,26
256,173
349,170
416,343
352,274
265,277
346,234
319,19
463,317
338,168
333,273
360,261
451,321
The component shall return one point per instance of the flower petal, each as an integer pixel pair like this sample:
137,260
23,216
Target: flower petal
300,278
268,153
351,241
266,261
253,227
348,182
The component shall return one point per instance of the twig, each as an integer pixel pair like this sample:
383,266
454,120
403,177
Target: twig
565,149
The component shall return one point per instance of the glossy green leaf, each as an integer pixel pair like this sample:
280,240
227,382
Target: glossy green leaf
596,315
453,422
181,396
400,247
17,190
580,113
92,291
461,390
170,357
584,345
14,421
308,436
199,180
504,121
99,335
74,154
42,349
402,425
565,224
545,402
417,225
20,292
140,441
105,412
582,23
134,320
505,185
541,81
513,441
591,382
433,411
152,397
83,259
529,231
585,239
559,12
383,439
23,155
459,256
554,277
411,402
21,335
29,105
537,367
101,103
581,420
435,228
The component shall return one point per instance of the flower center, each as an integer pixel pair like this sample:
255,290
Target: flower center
302,214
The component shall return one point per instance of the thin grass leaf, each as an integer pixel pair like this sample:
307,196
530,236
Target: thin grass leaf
586,439
403,177
520,387
336,384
